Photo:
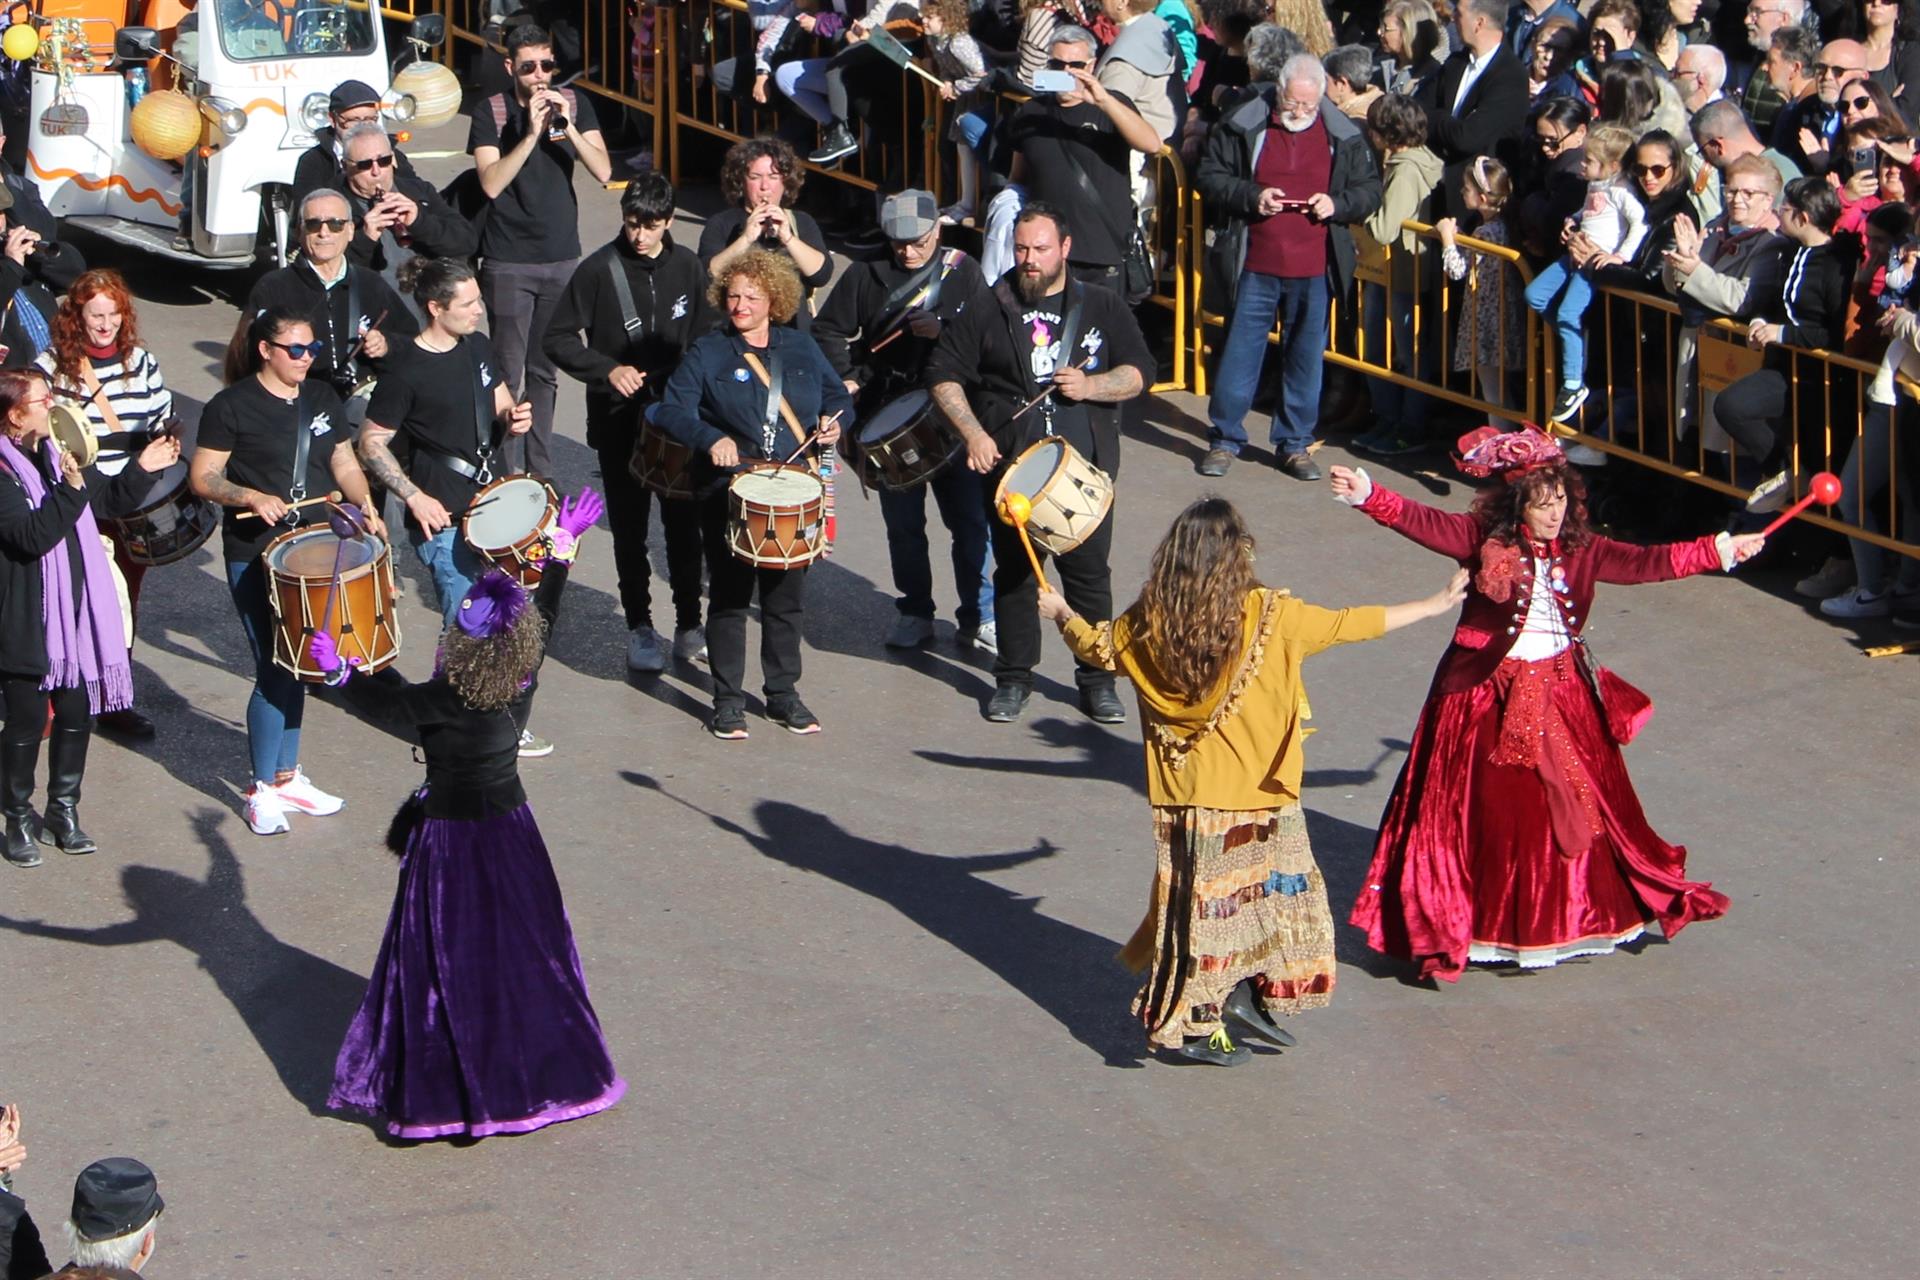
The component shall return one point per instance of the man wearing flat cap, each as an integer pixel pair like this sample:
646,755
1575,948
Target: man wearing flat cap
116,1207
877,329
324,163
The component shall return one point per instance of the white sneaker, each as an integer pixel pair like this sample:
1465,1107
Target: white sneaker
646,651
300,795
690,645
1585,455
1833,577
1857,602
532,748
1772,494
955,215
266,813
985,637
909,631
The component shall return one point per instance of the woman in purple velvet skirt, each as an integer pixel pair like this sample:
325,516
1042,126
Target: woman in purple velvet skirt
476,1019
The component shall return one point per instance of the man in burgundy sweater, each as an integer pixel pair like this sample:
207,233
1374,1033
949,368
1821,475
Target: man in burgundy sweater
1290,173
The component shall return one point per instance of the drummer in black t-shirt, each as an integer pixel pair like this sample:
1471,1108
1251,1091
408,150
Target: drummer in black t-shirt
524,145
251,437
1049,331
443,396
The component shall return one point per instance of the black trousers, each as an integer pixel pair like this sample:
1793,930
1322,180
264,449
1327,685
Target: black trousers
26,708
1081,576
1758,412
629,511
731,584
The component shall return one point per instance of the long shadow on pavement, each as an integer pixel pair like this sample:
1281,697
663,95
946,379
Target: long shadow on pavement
295,1004
1068,971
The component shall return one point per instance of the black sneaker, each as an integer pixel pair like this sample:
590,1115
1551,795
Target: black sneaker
793,714
1567,403
1007,703
1300,466
729,724
1219,1049
837,143
1102,705
1215,463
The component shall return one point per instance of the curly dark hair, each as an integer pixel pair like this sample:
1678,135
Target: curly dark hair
1193,605
740,158
70,331
489,672
1500,506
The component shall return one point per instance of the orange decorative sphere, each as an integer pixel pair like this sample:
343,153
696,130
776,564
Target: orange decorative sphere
166,124
435,90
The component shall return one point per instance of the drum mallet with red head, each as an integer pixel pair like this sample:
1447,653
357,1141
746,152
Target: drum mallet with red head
1823,489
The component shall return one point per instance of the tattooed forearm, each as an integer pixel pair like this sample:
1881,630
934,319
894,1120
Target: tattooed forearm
953,403
380,463
1115,385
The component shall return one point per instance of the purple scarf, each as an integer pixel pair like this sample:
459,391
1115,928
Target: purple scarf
86,640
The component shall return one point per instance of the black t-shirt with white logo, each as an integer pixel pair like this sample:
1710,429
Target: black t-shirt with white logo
537,218
259,431
428,398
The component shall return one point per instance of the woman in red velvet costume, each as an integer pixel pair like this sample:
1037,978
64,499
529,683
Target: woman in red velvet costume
1513,834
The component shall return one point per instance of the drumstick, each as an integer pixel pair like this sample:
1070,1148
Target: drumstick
810,439
1015,511
354,349
335,496
1044,394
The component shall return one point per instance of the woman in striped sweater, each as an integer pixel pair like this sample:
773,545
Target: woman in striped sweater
96,362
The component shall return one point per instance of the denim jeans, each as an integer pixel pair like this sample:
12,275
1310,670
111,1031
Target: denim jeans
805,84
454,565
957,492
279,700
1393,404
1300,304
1562,294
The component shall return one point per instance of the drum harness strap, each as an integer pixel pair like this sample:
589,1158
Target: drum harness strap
482,434
919,290
1010,308
629,317
342,373
302,450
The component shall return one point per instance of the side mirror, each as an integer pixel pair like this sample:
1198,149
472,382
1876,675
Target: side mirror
137,44
429,29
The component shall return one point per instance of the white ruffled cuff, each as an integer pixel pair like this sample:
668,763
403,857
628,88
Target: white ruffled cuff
1723,544
1362,489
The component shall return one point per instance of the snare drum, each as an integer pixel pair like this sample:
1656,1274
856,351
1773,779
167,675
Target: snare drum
510,523
776,516
1070,496
170,523
905,444
661,463
358,613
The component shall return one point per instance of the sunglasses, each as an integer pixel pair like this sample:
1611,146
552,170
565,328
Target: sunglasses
331,224
301,350
372,162
541,64
1653,170
1063,64
1828,69
1860,103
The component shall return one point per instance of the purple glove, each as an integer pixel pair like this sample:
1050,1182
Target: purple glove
827,25
326,656
578,514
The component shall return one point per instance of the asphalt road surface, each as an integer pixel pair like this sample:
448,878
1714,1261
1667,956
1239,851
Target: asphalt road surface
862,984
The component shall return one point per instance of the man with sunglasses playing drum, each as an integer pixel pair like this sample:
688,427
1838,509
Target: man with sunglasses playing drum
355,314
524,146
891,312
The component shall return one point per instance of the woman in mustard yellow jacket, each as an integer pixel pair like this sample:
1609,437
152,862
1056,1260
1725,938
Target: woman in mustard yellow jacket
1238,930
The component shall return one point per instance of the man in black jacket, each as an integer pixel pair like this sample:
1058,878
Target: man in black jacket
1079,344
1809,310
55,265
353,311
895,309
1480,98
397,213
1284,174
353,102
26,304
639,300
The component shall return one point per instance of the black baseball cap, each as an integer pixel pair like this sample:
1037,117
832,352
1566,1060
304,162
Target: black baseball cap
114,1197
350,94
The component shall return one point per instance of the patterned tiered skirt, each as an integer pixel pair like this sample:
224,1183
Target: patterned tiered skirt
1236,896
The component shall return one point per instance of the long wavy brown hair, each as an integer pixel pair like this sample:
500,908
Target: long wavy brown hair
1500,507
489,672
70,331
1195,596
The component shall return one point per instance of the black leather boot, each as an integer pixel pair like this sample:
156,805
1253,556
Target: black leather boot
66,763
17,763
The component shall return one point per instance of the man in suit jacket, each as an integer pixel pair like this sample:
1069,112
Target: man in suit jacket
1480,106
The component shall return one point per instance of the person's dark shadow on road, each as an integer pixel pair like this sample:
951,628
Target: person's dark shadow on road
1069,972
296,1004
1096,752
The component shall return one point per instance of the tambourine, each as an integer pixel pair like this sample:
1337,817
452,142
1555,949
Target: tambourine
73,433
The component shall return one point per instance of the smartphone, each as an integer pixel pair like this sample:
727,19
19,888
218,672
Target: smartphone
1295,206
1049,81
1864,159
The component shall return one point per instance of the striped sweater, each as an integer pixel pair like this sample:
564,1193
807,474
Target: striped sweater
139,399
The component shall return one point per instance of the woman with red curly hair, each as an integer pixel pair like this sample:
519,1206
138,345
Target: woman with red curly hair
97,365
1513,834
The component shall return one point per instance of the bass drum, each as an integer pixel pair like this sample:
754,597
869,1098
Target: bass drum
169,523
904,445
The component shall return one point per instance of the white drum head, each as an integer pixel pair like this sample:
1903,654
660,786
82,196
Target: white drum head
1033,471
507,512
893,415
779,488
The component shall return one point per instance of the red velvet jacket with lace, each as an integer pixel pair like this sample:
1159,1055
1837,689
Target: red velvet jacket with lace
1503,574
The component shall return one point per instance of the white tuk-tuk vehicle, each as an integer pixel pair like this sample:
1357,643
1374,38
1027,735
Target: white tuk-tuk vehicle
260,72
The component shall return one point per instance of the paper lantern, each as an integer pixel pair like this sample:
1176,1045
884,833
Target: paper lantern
435,90
166,124
21,41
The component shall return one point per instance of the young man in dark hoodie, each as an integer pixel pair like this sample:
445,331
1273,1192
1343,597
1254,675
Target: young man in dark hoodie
623,342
